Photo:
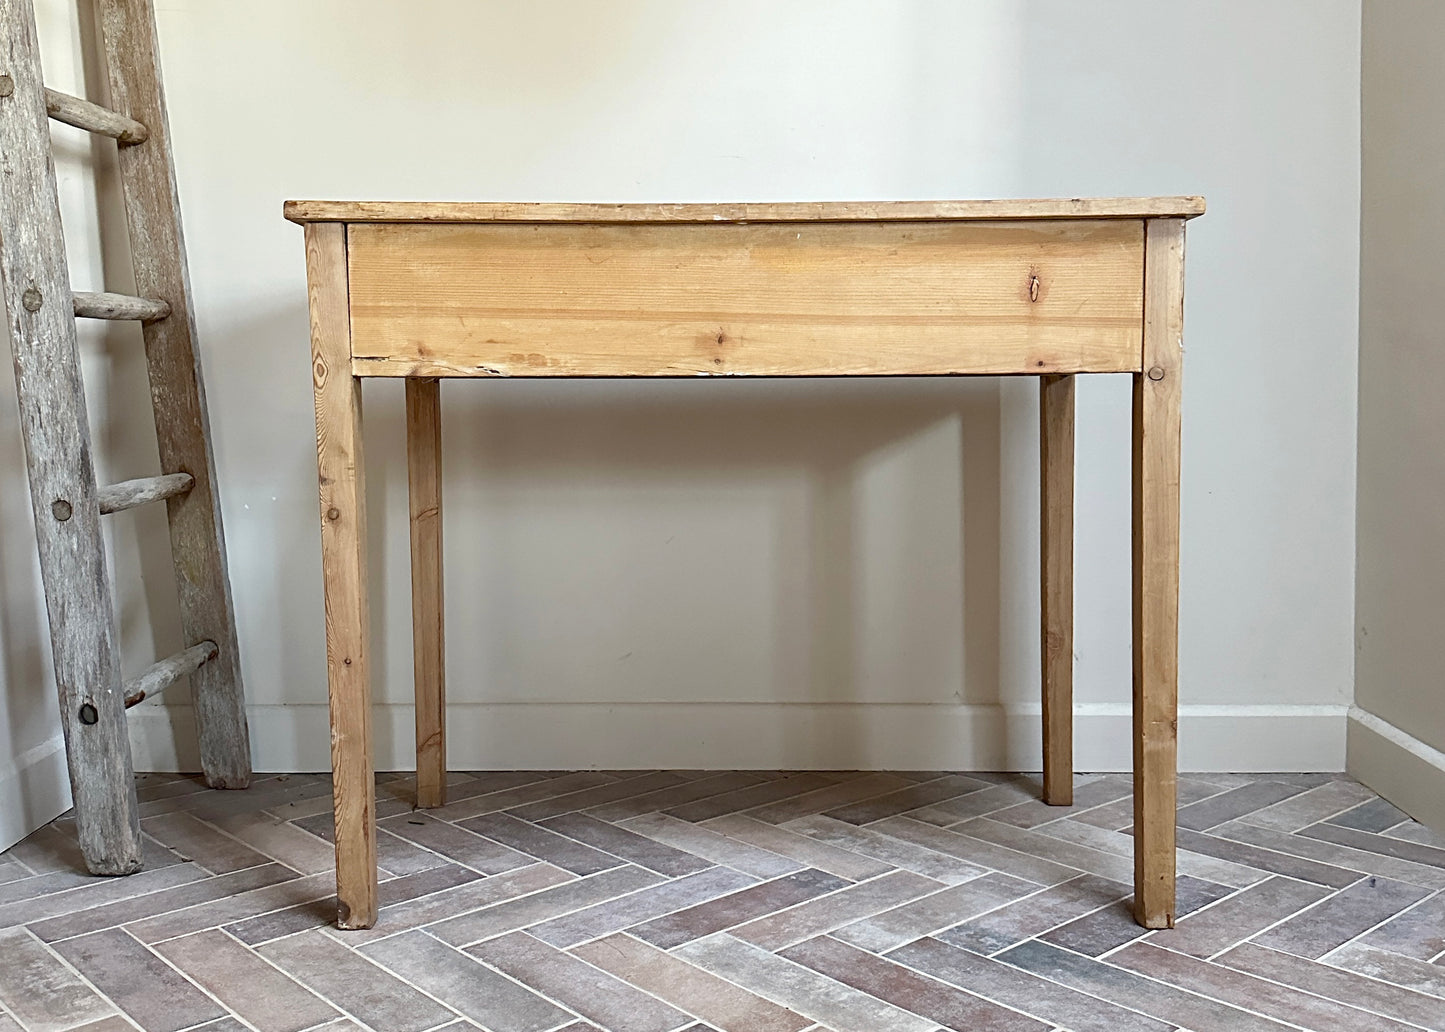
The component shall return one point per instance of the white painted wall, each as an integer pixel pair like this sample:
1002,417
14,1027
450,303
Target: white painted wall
1397,739
797,574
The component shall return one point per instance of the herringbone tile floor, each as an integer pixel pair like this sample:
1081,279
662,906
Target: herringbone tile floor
737,901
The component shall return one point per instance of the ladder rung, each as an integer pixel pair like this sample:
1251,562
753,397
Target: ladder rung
105,305
84,114
130,493
167,672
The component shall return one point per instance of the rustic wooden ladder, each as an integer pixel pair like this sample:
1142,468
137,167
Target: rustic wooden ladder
41,310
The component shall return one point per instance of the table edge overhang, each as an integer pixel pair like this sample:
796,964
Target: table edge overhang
786,211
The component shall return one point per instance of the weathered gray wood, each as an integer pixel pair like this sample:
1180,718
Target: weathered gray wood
129,493
56,431
105,305
177,390
84,114
161,675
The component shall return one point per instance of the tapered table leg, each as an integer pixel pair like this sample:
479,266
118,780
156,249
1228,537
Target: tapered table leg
424,484
341,476
1156,573
1056,524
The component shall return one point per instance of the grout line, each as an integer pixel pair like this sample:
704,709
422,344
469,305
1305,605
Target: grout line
534,990
1205,996
1328,818
1234,893
1327,999
91,881
978,993
1054,927
31,872
1357,860
626,929
1378,924
1283,920
1121,1006
618,978
1296,857
315,991
1289,987
222,925
577,880
164,913
226,1012
341,936
1071,815
226,834
1035,847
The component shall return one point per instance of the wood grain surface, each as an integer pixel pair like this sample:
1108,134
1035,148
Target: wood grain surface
1056,565
178,395
829,299
340,473
786,211
56,431
428,628
1156,575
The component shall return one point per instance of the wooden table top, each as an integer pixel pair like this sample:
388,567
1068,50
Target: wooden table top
786,211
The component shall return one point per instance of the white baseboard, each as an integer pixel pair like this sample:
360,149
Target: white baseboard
838,736
1403,769
34,788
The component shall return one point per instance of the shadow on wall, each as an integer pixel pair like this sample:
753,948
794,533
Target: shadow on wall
811,543
805,542
808,543
28,712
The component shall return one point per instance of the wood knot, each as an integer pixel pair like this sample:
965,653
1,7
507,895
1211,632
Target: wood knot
333,513
7,85
61,509
714,346
1156,373
31,299
1033,287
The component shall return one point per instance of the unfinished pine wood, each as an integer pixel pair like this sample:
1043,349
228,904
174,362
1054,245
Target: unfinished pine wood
1056,524
162,674
428,635
797,299
341,475
198,543
435,291
130,493
107,305
787,211
1156,574
56,432
91,117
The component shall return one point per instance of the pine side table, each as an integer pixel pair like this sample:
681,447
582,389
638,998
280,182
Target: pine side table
1046,288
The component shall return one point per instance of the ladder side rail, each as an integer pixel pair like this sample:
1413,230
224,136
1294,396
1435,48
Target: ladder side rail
61,469
177,389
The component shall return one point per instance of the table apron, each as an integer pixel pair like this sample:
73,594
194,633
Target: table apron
776,299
